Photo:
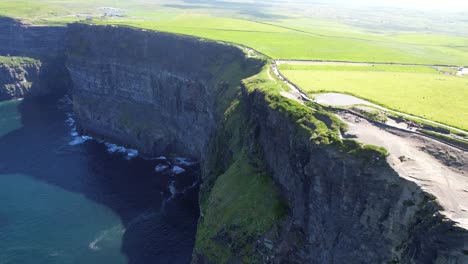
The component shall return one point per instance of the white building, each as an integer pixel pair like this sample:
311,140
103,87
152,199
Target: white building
462,71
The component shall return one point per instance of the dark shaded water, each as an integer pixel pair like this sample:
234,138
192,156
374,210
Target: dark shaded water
81,204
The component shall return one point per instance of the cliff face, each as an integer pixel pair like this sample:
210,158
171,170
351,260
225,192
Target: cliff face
348,208
19,39
154,91
279,185
169,94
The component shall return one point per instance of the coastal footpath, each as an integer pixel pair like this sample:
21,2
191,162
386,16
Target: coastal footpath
280,184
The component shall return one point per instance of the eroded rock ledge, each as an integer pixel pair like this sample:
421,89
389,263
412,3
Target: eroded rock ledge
17,76
34,60
279,185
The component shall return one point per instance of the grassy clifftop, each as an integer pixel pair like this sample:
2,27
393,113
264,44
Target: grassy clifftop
316,31
417,90
17,61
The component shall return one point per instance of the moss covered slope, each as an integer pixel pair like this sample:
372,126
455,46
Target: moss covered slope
239,201
242,208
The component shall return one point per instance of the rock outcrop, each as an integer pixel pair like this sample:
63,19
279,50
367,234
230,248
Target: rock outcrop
17,77
25,77
41,69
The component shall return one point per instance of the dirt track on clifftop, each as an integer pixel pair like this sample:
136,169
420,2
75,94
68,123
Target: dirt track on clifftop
439,169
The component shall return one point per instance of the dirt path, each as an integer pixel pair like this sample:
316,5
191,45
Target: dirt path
271,77
337,99
437,168
294,89
434,166
335,63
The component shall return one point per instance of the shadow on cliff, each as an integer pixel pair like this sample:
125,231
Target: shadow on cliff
155,233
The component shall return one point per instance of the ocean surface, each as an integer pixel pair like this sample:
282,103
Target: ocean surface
65,198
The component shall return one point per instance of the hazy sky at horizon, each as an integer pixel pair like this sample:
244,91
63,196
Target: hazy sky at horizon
454,5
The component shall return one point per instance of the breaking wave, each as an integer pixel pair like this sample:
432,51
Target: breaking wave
77,139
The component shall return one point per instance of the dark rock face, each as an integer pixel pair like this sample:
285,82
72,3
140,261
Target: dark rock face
348,210
19,39
154,91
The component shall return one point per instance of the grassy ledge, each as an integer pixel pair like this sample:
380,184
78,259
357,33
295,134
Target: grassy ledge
17,61
239,201
243,205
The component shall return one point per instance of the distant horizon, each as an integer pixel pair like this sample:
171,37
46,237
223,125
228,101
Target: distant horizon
447,5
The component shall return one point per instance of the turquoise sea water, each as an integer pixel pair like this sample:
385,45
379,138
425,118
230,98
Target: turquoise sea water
62,203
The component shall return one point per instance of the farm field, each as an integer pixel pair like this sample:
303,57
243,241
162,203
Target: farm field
280,35
279,43
301,31
416,90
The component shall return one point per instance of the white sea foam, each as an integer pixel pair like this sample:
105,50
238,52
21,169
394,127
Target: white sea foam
184,161
161,158
93,245
70,121
111,148
161,168
194,184
114,148
131,153
76,138
79,140
173,191
108,235
172,188
177,170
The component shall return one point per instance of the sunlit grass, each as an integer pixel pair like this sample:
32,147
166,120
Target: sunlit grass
415,90
295,37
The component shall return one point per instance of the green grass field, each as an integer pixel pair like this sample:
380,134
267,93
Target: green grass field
304,31
420,91
278,33
325,44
